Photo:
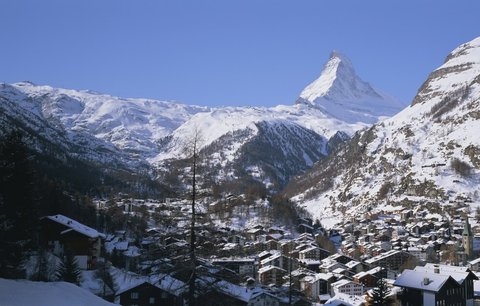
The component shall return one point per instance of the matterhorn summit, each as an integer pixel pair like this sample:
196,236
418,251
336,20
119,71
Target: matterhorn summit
339,92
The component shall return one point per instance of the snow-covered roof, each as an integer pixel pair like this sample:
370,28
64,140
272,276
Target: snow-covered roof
268,268
345,299
75,226
448,268
475,261
343,282
421,280
457,273
381,256
318,276
162,281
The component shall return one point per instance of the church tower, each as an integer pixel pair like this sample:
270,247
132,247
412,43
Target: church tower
467,240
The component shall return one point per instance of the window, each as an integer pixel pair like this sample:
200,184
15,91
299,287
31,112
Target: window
151,300
134,295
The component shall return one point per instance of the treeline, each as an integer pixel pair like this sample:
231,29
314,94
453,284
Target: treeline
31,188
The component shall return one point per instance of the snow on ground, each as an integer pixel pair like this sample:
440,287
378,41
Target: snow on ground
28,293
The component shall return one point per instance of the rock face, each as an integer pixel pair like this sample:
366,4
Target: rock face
427,153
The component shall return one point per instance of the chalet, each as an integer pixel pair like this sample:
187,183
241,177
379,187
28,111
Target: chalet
286,246
61,234
367,279
342,299
474,265
348,287
391,260
462,275
281,261
355,266
317,284
226,293
254,233
271,275
242,266
310,264
271,244
422,252
313,252
147,294
422,288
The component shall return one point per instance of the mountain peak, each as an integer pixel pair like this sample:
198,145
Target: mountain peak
340,60
339,92
338,81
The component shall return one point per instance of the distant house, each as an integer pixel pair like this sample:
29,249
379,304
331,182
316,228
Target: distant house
147,294
317,284
241,266
254,233
391,260
365,278
348,287
281,261
474,265
61,234
271,275
313,252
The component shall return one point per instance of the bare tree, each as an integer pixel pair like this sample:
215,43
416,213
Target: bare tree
192,148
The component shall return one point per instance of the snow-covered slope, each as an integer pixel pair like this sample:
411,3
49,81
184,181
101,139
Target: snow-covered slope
134,125
222,121
110,129
428,153
340,93
27,293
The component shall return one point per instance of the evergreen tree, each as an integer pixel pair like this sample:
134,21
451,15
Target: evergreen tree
18,211
68,270
44,268
380,293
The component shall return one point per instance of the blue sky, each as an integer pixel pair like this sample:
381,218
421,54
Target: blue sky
227,52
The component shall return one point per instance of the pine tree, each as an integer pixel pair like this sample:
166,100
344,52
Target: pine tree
380,293
18,210
44,270
68,270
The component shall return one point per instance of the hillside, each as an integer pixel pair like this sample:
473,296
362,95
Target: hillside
428,154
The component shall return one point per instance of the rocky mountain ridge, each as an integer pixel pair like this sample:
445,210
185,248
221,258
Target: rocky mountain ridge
132,132
427,154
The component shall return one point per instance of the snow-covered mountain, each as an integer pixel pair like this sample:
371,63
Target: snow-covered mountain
427,154
131,125
340,93
143,131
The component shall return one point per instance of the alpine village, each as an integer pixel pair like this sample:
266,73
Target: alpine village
345,197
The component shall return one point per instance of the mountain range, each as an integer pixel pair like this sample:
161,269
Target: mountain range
343,148
269,145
